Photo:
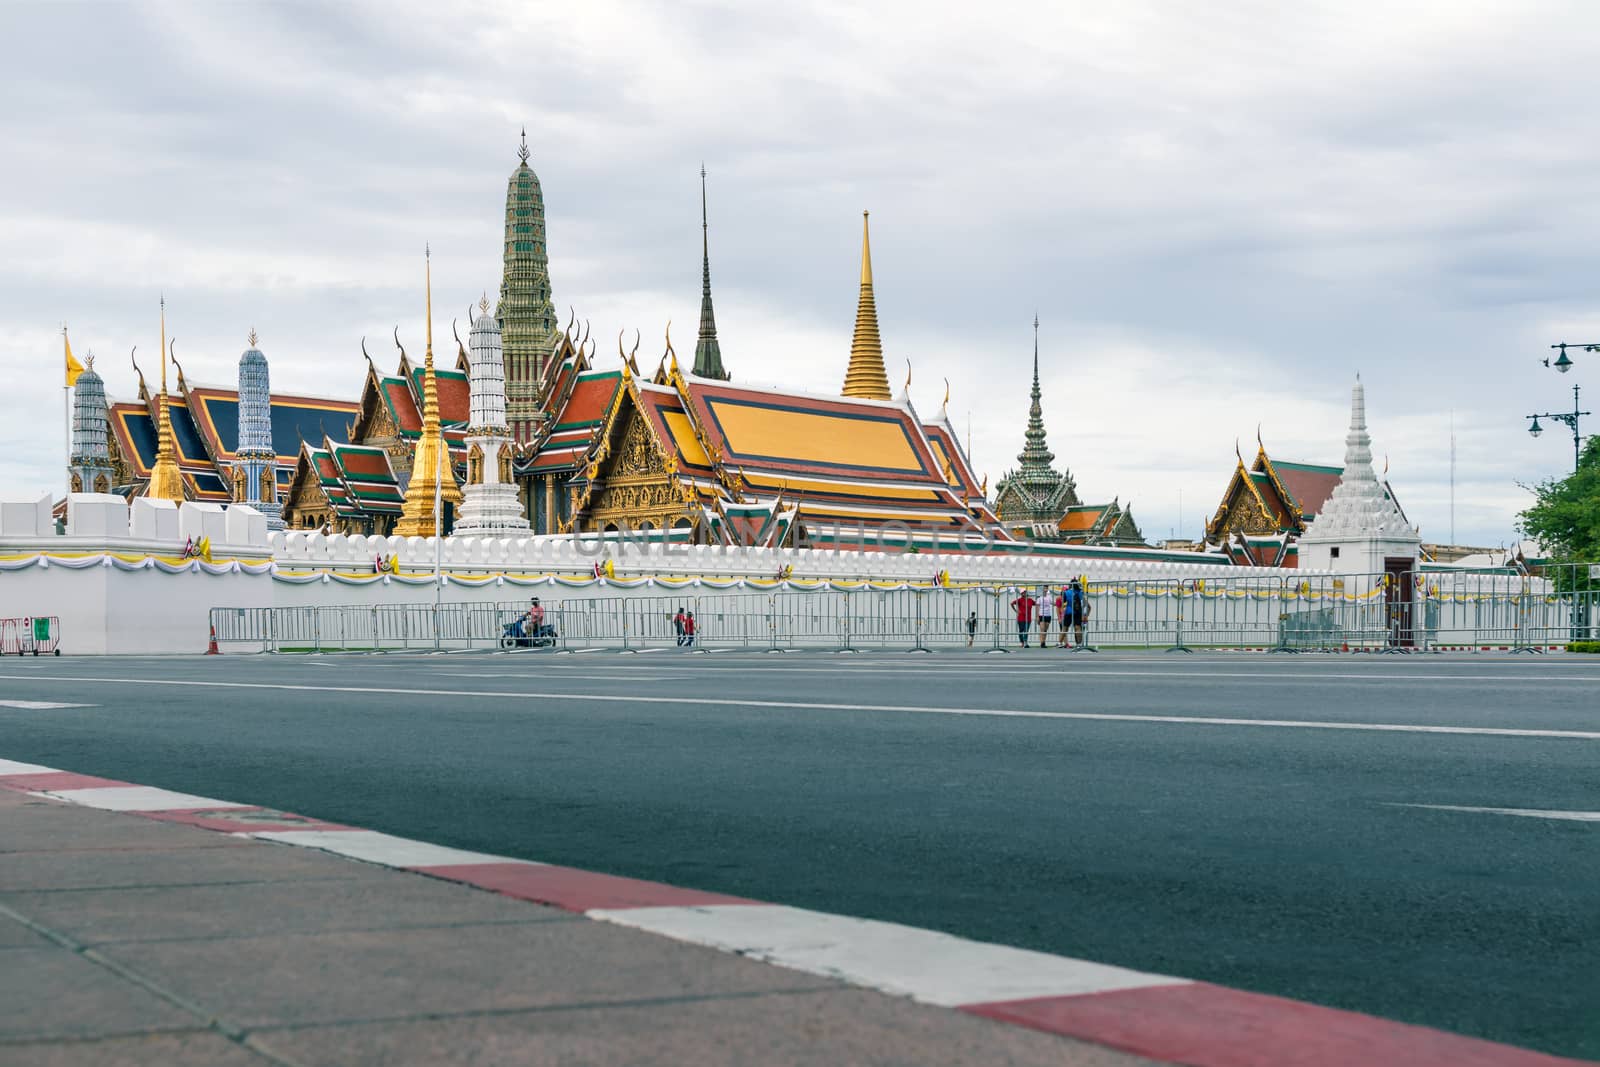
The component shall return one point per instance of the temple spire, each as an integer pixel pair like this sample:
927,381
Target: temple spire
526,310
865,376
431,468
1035,455
166,483
707,353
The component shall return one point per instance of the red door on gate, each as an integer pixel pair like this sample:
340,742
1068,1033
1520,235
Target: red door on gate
1398,599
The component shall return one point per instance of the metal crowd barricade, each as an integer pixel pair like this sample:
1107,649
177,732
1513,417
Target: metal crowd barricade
30,635
1424,609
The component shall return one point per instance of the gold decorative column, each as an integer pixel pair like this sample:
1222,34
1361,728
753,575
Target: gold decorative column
431,473
166,483
865,377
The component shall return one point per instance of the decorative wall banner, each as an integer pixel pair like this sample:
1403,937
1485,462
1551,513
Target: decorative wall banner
191,564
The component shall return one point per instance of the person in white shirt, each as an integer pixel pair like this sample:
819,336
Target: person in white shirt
1046,612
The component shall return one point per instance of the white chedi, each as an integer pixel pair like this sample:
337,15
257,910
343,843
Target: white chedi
1360,527
489,502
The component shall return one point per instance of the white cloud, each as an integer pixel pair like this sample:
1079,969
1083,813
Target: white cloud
1220,212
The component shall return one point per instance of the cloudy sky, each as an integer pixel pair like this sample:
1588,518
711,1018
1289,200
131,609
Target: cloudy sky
1220,212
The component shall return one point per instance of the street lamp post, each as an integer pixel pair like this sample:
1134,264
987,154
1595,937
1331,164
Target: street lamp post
1562,363
1570,418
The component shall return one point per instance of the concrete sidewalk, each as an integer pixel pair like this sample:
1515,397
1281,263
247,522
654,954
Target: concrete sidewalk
134,941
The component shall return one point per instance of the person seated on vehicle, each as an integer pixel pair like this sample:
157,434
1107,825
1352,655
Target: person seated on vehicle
534,619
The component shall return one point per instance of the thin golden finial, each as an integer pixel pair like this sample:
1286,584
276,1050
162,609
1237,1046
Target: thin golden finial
427,260
164,344
866,252
483,305
252,339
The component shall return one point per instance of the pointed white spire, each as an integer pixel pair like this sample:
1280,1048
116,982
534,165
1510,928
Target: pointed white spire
1359,507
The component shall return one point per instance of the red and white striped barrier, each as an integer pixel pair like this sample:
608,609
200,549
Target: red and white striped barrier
1157,1016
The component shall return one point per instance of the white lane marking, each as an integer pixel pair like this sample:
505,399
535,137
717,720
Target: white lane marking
41,705
453,698
1061,672
138,798
9,767
928,966
390,851
1531,813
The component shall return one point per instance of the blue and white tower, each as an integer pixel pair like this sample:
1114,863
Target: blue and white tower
255,470
91,450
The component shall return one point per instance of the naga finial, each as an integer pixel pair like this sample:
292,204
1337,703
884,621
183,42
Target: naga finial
669,342
397,343
1259,444
946,403
620,353
572,312
637,337
370,365
908,375
253,340
454,334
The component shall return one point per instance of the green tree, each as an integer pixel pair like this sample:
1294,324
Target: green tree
1565,516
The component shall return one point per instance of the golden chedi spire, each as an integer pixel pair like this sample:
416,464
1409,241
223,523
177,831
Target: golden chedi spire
866,377
431,472
166,483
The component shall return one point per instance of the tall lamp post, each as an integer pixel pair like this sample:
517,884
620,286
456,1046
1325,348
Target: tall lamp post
1570,418
1562,363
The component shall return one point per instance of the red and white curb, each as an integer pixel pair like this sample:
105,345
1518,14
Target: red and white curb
1152,1015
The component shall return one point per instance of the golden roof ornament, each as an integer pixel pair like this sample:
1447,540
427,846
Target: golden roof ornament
166,481
431,470
253,340
865,377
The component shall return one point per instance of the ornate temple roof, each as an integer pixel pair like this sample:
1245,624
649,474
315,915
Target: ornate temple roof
579,399
824,460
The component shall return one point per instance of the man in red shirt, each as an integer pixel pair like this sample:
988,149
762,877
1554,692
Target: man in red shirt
1024,606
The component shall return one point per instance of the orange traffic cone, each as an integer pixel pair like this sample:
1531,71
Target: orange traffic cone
211,645
1346,647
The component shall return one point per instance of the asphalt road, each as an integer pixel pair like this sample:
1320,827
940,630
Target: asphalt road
1282,825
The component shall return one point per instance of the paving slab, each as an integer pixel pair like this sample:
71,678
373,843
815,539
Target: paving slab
55,827
400,974
15,935
198,1049
818,1029
366,898
111,868
53,993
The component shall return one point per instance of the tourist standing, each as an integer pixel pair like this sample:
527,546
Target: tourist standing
1076,610
1046,611
1061,617
677,626
688,629
1023,606
972,627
